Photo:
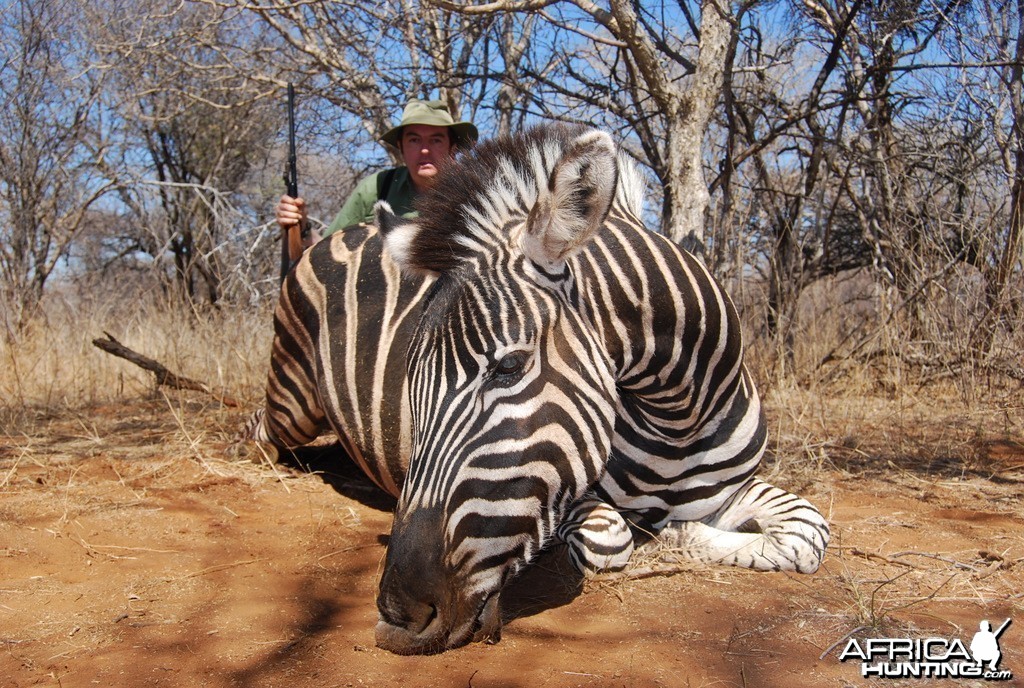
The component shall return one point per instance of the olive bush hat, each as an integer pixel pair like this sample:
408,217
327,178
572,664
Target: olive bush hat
435,113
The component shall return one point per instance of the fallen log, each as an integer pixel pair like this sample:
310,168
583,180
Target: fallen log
163,375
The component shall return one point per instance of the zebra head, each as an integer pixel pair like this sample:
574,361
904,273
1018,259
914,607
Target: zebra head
512,395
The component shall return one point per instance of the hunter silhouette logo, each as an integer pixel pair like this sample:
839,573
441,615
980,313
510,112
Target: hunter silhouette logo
931,657
985,646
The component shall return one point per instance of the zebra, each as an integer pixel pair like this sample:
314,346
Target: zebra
525,363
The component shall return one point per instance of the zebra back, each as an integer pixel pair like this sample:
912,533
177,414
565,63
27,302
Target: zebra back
342,327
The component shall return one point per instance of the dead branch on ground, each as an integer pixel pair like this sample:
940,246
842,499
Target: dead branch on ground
163,375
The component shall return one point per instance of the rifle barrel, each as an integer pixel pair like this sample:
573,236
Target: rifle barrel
293,175
291,239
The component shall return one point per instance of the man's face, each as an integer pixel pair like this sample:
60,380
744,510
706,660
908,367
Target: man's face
425,148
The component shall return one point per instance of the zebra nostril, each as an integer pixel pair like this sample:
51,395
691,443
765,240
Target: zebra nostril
421,617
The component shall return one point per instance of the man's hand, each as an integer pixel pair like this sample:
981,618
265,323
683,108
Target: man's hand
290,212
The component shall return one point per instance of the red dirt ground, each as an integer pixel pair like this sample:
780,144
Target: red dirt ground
135,551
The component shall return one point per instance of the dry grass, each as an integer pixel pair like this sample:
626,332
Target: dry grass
874,416
86,436
927,431
53,364
53,378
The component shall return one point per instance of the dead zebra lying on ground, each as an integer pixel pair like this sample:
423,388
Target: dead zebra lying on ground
521,363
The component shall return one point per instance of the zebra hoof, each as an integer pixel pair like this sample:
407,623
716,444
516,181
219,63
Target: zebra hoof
264,453
590,561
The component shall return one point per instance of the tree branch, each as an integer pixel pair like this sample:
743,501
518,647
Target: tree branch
163,375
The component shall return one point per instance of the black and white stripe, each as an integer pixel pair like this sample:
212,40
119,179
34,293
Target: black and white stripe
566,370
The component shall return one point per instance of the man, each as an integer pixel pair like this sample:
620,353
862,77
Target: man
427,138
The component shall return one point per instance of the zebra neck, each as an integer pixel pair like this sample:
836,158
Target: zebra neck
668,330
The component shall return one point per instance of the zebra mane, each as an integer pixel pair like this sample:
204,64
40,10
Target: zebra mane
468,210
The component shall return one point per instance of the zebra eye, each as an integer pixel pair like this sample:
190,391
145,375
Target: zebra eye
509,366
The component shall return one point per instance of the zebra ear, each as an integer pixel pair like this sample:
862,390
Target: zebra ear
575,202
398,238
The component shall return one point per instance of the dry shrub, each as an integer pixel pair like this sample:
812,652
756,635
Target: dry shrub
849,388
849,327
53,364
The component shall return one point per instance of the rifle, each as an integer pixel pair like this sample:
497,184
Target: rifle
291,238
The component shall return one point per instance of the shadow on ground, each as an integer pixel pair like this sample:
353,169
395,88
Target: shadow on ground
549,582
334,466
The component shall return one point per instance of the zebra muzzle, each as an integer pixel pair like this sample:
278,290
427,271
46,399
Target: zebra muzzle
428,632
403,640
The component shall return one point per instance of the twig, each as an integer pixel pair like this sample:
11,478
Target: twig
272,465
641,573
353,548
14,467
954,562
163,375
219,567
834,645
881,557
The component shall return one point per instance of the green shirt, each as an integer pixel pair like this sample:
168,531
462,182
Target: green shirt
359,206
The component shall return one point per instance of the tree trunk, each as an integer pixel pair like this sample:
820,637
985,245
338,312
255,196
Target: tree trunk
687,194
1000,302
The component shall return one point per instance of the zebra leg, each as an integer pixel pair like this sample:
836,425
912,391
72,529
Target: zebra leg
598,537
293,415
259,428
761,527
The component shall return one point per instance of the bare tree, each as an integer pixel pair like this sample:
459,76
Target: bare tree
888,163
49,140
786,146
996,94
777,154
848,172
356,64
191,129
367,60
514,41
662,79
